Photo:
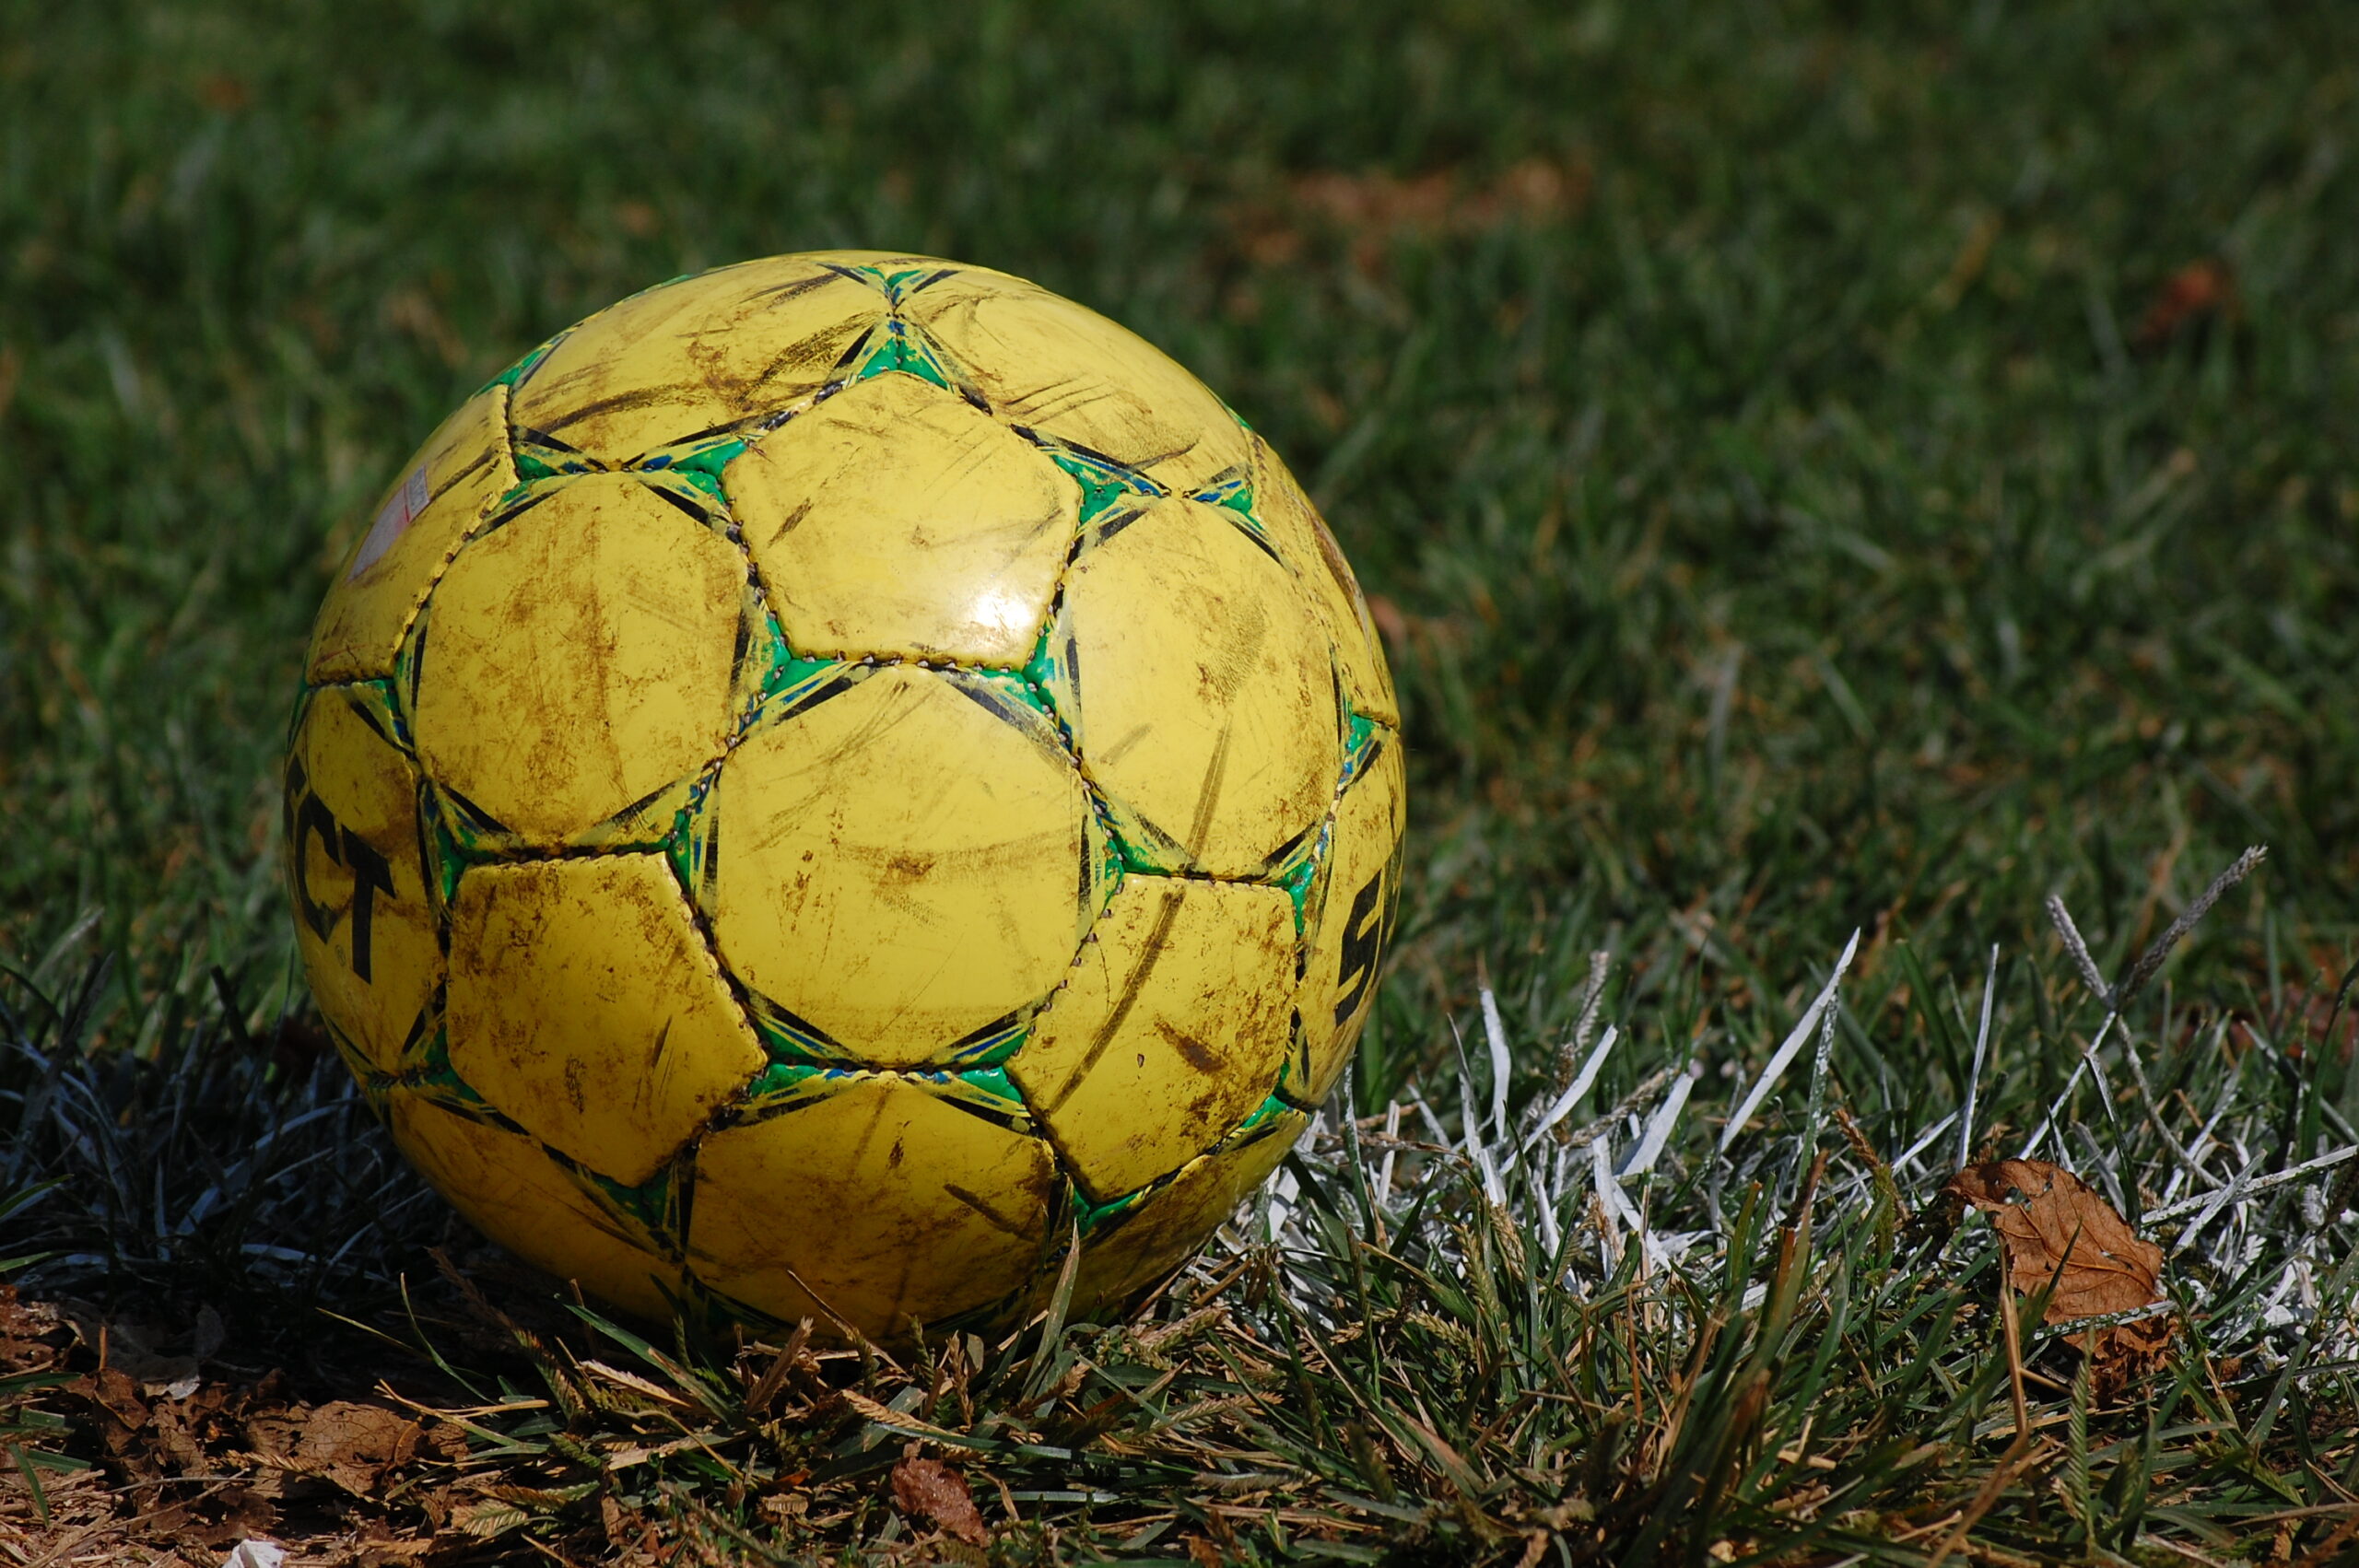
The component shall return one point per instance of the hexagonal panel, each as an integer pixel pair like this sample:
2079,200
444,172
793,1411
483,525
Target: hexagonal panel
1304,539
583,1005
900,865
1067,372
356,873
895,518
1351,913
443,494
697,354
1171,1028
1155,1238
883,1199
510,1190
1198,687
578,658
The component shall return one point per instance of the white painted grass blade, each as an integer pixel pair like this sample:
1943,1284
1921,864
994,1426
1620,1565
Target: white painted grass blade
1470,1126
2056,1108
2258,1184
1392,1138
1642,1159
1973,1079
1792,1047
2213,1204
1433,1123
1617,1202
1562,1106
1601,1177
1924,1141
1494,1034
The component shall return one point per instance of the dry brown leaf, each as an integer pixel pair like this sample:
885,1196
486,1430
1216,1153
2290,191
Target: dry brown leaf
2055,1228
930,1489
354,1444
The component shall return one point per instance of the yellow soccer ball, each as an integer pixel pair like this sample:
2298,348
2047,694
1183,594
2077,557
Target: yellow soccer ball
832,777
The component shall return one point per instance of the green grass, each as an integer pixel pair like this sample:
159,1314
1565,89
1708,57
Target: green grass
1794,518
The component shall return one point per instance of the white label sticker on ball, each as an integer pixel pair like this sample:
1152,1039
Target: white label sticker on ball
401,509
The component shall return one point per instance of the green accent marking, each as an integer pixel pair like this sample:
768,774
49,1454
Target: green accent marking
450,860
381,700
529,469
993,1081
1296,878
793,676
700,465
899,351
1018,686
1134,859
1258,1125
1236,495
515,373
1093,1217
985,1093
1102,489
684,846
650,1203
1288,1068
1041,670
779,1076
788,1045
993,1049
436,1080
1359,745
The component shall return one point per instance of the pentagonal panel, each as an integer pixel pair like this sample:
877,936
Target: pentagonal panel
510,1190
1351,912
442,493
1303,538
578,658
356,873
1171,1029
884,1200
1070,374
896,519
1198,687
898,866
1152,1240
585,1006
697,354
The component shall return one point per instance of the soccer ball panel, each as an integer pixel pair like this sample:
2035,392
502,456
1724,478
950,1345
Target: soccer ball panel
1198,688
356,874
894,519
1069,374
585,1006
1303,537
898,867
1169,1031
442,496
695,356
1351,911
510,1189
1146,1243
578,658
909,1208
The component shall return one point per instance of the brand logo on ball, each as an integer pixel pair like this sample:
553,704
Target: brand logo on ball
312,827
